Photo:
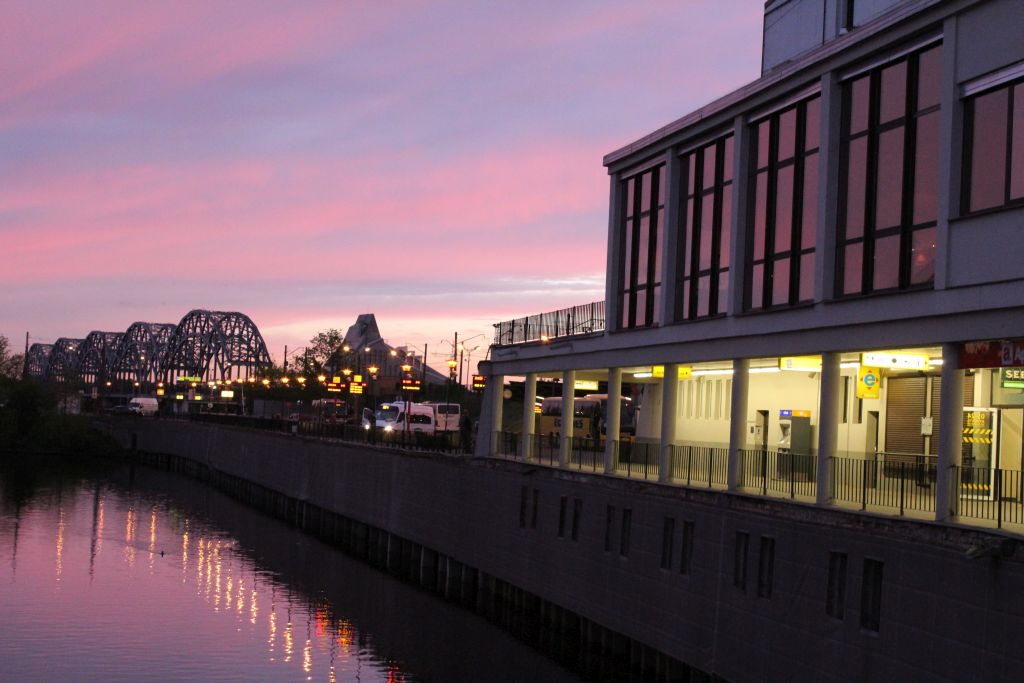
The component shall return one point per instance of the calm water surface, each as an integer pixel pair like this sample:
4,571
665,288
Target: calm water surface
118,573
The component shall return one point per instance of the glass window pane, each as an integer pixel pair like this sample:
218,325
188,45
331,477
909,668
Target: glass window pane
645,192
661,185
691,236
809,226
889,190
929,78
706,231
625,311
926,169
760,211
723,227
893,96
709,166
641,307
812,126
641,251
723,292
887,263
630,187
783,209
703,295
853,268
857,169
691,172
1017,153
780,282
859,94
922,257
756,286
806,290
988,150
727,161
762,143
787,135
659,244
627,255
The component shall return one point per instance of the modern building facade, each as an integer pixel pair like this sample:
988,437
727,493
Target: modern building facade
812,287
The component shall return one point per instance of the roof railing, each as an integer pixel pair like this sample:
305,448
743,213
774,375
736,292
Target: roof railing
567,322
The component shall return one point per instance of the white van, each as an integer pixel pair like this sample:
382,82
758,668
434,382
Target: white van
391,417
446,416
144,405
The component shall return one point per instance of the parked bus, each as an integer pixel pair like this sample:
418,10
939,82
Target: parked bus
589,413
446,415
330,410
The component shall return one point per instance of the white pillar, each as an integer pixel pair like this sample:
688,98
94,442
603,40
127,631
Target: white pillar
828,423
951,419
738,421
669,411
568,413
612,418
529,422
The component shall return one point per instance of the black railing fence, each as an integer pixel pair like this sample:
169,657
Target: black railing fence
637,459
900,486
989,494
780,473
700,465
567,322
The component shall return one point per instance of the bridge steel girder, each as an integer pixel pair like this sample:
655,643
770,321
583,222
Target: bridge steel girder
215,345
140,353
63,365
38,361
97,355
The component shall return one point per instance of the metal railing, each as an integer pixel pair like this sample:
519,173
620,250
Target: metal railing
699,466
780,473
566,322
985,493
637,459
586,454
885,485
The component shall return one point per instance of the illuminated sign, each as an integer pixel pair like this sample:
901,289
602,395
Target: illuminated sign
333,390
159,392
586,385
658,371
411,384
356,388
787,413
685,372
479,382
227,393
1011,378
896,361
992,354
179,397
336,380
190,379
869,382
358,379
800,363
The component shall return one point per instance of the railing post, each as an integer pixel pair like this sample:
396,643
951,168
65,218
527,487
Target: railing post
903,483
999,498
764,471
864,485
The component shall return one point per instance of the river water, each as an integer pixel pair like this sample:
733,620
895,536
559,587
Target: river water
111,572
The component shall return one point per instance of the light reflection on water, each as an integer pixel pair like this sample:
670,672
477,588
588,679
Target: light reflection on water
182,599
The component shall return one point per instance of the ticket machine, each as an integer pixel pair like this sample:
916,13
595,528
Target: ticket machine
794,444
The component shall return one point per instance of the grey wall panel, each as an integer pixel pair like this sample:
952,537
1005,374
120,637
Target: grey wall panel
989,38
985,248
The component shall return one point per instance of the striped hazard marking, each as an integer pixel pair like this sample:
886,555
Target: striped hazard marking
977,435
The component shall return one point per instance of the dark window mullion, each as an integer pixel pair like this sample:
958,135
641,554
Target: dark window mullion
871,183
652,244
696,215
909,171
772,188
1008,157
797,219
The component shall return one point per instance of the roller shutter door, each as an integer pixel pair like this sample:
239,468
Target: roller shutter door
904,407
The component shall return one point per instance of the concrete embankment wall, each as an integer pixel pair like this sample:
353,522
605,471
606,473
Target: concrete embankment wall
613,575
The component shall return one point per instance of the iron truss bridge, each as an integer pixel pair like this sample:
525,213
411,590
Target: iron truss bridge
204,346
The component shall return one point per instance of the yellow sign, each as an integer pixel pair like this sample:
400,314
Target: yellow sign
227,393
658,371
336,379
357,378
159,392
356,388
869,382
801,363
179,397
685,372
896,361
585,385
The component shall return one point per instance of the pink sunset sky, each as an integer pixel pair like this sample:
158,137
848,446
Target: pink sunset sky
437,164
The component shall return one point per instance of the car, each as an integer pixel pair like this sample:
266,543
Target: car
122,410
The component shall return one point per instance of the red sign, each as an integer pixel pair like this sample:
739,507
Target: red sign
992,354
479,382
411,384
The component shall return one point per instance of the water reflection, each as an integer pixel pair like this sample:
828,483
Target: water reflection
261,603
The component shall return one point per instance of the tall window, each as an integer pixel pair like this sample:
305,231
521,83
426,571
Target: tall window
642,236
783,207
706,216
889,184
994,145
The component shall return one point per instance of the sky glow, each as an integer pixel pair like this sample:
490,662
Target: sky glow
437,164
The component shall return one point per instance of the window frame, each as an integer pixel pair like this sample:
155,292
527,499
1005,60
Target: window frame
967,166
906,229
629,235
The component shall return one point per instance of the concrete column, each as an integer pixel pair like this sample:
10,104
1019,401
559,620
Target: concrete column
612,418
613,280
738,222
529,422
830,405
568,413
828,180
951,419
670,246
486,437
669,413
950,128
738,421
